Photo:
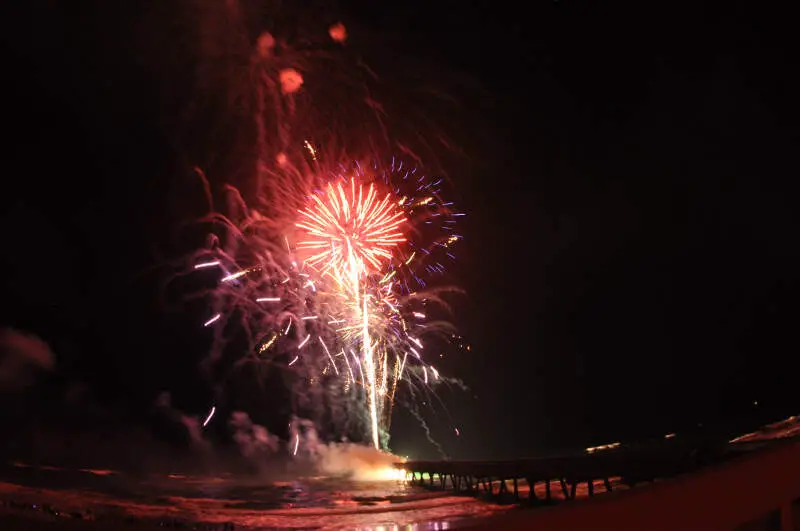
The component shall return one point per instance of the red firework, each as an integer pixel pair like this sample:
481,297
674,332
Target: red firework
350,230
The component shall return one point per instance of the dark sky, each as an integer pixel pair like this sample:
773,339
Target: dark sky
631,260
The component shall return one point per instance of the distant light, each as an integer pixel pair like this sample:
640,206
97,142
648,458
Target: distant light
602,447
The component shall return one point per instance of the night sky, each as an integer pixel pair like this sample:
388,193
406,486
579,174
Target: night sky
631,263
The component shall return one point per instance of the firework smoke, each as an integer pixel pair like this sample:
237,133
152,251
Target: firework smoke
21,357
253,440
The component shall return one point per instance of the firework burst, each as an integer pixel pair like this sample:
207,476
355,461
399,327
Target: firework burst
328,273
344,297
352,233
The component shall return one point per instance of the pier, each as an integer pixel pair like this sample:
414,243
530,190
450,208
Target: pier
757,491
545,481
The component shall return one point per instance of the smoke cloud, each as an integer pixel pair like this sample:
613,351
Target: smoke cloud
254,440
193,425
306,454
346,460
358,462
22,357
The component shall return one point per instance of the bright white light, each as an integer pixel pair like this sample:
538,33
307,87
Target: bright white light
234,276
210,414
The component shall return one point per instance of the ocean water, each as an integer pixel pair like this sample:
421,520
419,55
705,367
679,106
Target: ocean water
247,502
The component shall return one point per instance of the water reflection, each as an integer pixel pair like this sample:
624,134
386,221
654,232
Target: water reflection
244,501
437,525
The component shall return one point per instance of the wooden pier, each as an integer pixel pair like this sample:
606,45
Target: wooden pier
759,491
535,480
